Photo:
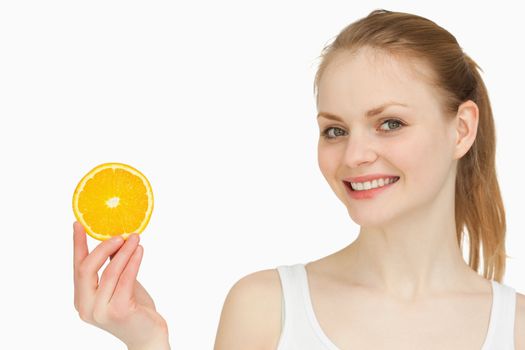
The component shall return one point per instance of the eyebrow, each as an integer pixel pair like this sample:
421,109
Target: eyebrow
370,113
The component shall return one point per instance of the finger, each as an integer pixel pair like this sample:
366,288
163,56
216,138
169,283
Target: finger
111,274
86,276
126,283
87,272
80,249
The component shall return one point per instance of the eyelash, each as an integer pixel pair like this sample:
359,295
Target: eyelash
324,134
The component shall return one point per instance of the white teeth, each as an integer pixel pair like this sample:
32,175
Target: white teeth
360,186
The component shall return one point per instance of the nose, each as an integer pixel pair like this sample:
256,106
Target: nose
359,149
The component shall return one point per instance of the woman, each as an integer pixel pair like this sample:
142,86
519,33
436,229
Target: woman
407,143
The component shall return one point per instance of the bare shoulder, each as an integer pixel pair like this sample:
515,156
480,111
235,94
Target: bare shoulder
251,314
519,329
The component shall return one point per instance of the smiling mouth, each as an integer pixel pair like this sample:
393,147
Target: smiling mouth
349,186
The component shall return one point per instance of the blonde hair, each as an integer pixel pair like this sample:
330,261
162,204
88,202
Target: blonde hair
478,202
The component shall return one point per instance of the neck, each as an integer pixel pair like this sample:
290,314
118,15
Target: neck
413,256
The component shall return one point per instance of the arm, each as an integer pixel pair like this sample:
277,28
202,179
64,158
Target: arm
251,315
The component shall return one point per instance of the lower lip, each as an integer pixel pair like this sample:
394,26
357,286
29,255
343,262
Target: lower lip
367,194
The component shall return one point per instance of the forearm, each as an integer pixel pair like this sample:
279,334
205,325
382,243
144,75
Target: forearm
155,344
163,346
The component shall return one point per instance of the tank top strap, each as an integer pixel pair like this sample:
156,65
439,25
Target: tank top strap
500,334
298,330
291,302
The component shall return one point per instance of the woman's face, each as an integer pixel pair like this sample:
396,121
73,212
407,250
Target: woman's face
413,142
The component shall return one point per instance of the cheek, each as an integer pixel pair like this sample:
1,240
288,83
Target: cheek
425,160
327,159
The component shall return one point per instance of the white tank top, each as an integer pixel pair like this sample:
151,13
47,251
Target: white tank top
301,330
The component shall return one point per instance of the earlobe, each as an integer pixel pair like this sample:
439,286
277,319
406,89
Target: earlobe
467,120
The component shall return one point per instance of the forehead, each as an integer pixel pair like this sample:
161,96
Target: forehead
354,82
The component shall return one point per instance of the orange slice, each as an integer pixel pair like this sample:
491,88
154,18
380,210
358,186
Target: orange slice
113,199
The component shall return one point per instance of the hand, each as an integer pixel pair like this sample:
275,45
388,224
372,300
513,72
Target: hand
117,303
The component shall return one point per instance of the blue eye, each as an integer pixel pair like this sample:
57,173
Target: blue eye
394,122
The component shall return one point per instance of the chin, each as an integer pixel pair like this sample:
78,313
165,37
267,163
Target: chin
368,218
367,221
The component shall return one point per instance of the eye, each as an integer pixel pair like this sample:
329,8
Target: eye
393,125
327,134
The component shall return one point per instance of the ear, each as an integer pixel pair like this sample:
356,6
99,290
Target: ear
466,125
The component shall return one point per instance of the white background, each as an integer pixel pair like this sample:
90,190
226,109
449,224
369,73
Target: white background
213,101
